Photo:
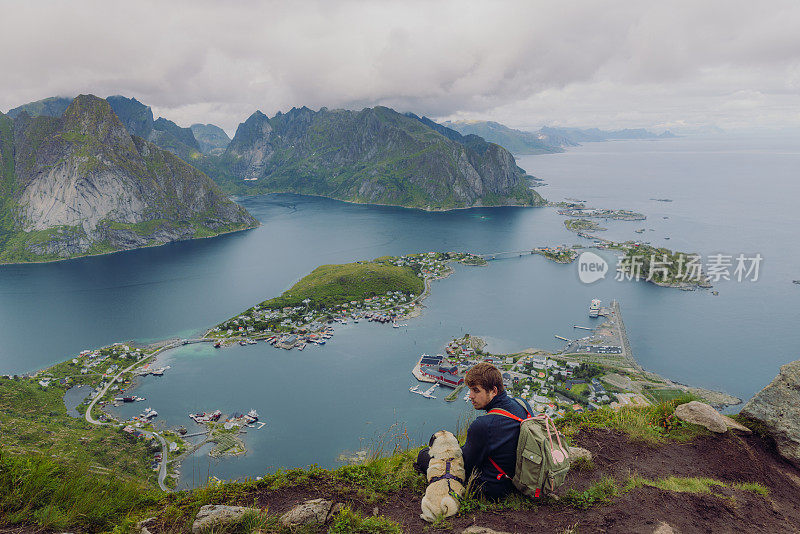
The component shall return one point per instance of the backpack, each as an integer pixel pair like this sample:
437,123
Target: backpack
542,459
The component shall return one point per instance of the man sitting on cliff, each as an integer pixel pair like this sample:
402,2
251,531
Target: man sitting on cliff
491,439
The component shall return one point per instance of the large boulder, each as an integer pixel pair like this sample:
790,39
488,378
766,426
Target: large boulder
313,511
579,452
777,407
702,414
212,515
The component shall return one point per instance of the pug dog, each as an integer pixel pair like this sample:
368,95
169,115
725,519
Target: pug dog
445,477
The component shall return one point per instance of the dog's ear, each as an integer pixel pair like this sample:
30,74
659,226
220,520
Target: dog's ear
433,438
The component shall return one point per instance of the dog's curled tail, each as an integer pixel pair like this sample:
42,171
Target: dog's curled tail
449,506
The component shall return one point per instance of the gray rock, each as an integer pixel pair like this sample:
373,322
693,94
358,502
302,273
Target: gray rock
475,529
702,414
777,407
665,528
313,511
142,525
215,515
579,452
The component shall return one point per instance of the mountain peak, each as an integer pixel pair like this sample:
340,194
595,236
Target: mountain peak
91,116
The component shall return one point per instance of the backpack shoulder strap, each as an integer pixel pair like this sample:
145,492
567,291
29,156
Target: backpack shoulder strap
504,413
524,404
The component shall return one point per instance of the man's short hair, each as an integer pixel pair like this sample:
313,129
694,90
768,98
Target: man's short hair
485,375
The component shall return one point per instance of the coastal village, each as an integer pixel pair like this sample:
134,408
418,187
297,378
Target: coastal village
590,372
289,327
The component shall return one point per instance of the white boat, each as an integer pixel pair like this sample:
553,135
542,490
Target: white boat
594,309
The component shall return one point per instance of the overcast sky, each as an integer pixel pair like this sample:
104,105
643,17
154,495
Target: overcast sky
610,64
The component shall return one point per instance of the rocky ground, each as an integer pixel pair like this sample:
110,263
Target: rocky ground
600,497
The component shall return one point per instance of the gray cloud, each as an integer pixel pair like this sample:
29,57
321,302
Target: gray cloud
608,64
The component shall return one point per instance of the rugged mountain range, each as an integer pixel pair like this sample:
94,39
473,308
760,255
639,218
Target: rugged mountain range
135,116
375,155
79,184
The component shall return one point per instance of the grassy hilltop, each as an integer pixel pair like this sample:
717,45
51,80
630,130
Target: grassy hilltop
647,467
328,286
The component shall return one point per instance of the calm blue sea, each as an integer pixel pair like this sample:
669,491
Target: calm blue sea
729,196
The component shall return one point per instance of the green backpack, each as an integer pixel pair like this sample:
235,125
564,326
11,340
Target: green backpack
542,458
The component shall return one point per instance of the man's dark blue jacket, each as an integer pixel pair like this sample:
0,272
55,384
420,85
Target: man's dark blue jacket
494,436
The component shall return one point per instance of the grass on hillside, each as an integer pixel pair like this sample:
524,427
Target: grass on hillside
64,492
332,285
664,395
607,488
43,492
652,424
34,419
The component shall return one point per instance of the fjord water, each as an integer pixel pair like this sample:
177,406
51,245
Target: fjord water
729,196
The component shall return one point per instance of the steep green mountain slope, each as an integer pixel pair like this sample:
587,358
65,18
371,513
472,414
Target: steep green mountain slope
375,155
516,141
7,178
79,184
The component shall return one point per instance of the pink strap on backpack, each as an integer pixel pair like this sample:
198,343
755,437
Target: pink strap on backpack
559,454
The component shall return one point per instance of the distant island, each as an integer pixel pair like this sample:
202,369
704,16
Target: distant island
547,140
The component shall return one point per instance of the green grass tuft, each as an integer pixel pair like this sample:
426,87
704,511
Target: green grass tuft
653,424
349,521
598,493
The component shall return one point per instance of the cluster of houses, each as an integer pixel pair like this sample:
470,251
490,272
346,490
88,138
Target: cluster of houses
430,264
380,308
561,253
89,359
299,319
537,378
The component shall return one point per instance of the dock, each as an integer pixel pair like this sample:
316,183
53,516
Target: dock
563,339
417,372
582,327
627,353
428,393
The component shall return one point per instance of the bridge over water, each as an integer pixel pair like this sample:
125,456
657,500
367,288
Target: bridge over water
505,255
